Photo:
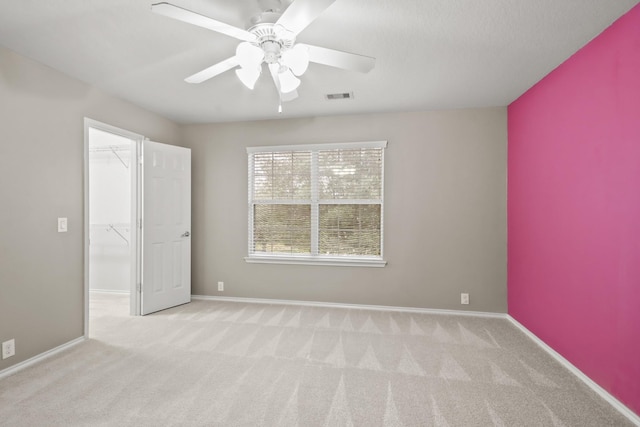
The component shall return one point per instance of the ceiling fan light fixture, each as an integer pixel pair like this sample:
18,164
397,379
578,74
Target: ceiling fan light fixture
271,38
248,76
297,59
249,55
288,82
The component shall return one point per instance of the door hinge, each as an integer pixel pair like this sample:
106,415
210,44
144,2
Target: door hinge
139,287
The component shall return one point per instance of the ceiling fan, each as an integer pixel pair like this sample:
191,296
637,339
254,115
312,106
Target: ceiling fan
271,38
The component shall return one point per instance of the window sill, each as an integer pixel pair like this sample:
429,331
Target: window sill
316,260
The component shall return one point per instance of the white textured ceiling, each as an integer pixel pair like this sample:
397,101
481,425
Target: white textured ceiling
431,54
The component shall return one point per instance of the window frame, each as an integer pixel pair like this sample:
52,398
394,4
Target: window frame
315,203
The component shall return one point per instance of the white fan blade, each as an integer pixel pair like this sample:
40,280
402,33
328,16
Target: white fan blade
284,97
301,13
213,71
339,59
194,18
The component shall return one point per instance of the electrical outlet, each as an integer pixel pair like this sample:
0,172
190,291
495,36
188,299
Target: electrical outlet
464,298
8,348
220,286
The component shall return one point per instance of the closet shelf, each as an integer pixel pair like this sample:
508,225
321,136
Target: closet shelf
114,150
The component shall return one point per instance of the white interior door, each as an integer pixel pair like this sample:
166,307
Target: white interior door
166,226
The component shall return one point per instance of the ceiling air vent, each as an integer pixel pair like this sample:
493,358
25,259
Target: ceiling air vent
335,96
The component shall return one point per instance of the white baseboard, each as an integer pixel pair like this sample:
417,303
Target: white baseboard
352,306
39,358
619,406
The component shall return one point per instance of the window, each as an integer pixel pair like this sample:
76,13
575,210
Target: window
317,204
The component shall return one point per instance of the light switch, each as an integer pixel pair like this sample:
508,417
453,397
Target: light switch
62,225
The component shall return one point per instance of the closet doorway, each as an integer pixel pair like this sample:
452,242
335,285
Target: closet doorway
110,236
111,212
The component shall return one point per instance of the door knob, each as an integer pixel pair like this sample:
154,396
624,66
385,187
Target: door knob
186,234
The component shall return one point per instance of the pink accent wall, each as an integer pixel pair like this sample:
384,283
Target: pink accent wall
574,209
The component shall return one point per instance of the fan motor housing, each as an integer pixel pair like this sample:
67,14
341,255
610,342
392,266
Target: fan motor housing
271,38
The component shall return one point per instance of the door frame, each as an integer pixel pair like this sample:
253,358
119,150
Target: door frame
134,294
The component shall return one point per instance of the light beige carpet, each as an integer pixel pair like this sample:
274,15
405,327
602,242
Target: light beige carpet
236,364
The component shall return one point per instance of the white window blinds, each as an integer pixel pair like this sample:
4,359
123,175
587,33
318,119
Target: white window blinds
280,195
316,201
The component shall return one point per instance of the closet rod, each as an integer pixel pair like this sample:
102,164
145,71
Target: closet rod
105,148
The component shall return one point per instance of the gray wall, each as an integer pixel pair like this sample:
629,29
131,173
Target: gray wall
41,178
445,210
